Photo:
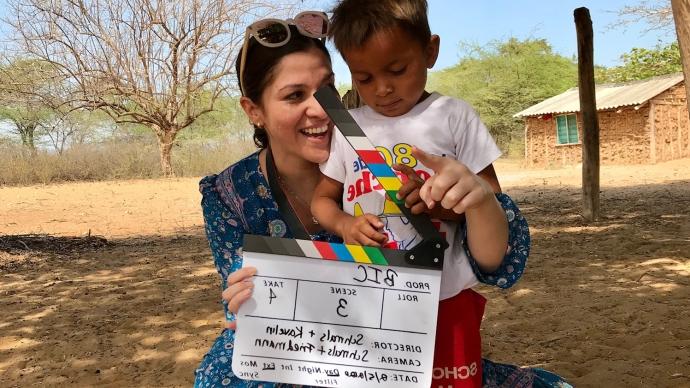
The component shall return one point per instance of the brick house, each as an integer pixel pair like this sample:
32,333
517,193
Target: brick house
640,122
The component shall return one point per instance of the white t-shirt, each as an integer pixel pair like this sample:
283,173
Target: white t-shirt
439,125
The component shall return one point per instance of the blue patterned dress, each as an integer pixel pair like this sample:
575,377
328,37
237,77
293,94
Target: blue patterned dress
239,201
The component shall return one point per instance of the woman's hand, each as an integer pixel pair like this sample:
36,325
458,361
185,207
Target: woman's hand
363,230
240,287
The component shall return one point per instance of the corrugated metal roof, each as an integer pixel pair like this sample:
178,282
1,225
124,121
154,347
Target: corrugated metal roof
609,96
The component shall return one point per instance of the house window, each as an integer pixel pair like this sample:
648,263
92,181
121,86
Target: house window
566,129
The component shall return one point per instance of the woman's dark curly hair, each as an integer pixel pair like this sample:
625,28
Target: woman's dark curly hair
259,69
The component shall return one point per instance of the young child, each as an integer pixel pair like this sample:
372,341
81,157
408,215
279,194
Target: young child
388,47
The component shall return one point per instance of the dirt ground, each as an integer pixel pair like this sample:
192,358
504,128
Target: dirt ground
604,304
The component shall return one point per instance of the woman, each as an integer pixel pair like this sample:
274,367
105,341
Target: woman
280,67
277,85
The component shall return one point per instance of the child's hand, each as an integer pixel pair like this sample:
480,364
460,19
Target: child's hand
409,192
453,185
363,230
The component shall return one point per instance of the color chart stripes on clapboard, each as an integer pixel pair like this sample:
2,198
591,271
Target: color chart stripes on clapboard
360,142
324,250
376,163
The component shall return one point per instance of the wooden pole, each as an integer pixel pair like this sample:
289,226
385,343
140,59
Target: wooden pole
681,16
652,132
351,98
588,108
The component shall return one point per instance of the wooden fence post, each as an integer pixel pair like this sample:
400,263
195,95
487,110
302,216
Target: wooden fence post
588,109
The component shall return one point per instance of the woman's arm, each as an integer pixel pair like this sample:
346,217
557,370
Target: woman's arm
517,251
224,232
514,260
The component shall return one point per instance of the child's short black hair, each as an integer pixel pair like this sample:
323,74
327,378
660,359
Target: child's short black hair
355,21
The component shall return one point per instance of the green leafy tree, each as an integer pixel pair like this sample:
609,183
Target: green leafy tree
502,78
24,85
226,117
642,63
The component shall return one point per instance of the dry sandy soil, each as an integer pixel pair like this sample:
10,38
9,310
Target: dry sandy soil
603,304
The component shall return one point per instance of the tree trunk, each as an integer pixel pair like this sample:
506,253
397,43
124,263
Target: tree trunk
681,15
27,134
351,99
588,109
165,144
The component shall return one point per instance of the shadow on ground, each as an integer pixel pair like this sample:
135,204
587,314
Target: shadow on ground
611,297
129,312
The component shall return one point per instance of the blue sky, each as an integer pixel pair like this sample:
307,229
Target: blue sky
482,21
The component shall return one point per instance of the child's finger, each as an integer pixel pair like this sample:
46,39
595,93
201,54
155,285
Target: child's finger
425,192
373,221
454,196
366,241
409,172
440,187
413,181
406,189
470,200
434,162
374,234
419,208
412,199
366,237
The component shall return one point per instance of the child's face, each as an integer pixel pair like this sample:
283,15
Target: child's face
389,70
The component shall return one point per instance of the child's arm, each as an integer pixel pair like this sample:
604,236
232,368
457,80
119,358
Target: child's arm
456,188
363,230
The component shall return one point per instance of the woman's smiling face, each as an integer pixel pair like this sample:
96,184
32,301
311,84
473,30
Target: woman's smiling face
297,126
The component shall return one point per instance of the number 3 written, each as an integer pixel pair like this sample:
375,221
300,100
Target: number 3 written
342,303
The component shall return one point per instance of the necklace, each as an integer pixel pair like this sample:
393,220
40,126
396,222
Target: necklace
299,199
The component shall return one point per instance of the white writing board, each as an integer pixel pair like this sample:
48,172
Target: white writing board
342,322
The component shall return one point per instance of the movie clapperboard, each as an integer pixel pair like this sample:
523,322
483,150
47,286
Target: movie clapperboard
337,315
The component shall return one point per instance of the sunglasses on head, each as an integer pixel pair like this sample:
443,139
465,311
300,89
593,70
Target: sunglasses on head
276,33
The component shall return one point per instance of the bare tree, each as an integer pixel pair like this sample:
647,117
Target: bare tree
656,14
59,133
147,62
